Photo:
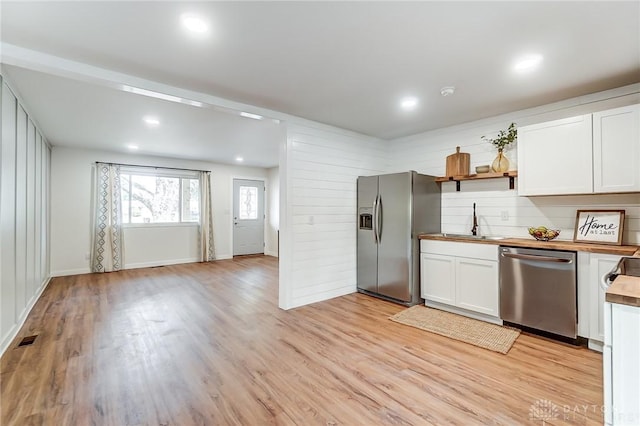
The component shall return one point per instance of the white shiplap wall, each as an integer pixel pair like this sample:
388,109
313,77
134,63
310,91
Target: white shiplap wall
318,225
24,215
500,210
493,199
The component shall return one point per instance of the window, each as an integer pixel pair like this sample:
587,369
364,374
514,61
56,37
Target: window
159,198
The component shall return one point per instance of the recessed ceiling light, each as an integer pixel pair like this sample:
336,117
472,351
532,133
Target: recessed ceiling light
132,147
151,121
194,23
249,115
528,63
239,159
409,103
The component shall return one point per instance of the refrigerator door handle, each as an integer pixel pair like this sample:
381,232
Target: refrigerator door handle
379,219
375,220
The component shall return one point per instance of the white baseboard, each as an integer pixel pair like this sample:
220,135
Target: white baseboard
67,272
13,332
595,345
228,256
160,263
320,297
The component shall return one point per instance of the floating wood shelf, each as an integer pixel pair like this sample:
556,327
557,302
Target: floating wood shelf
457,179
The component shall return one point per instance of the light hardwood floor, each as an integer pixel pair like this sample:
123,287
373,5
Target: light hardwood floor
205,344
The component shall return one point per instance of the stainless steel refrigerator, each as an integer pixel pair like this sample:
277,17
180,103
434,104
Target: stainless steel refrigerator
392,210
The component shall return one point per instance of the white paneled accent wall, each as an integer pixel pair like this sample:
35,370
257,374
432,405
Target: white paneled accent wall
318,228
24,215
500,210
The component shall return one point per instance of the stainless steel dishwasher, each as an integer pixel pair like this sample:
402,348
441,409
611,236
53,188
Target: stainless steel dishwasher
538,289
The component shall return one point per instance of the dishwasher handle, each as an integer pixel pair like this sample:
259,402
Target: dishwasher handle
536,258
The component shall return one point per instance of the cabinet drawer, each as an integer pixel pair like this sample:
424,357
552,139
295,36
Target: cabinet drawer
460,249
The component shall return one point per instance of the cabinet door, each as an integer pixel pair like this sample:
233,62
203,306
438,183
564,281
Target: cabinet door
625,353
437,278
616,150
607,367
477,285
556,157
600,264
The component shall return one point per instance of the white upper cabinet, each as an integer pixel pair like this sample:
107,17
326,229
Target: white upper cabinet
587,154
616,150
555,157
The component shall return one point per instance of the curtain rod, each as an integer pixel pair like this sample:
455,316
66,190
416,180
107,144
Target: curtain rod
153,167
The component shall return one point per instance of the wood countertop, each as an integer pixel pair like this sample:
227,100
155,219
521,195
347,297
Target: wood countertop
624,290
552,245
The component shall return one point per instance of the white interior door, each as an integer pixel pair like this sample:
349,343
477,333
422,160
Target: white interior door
248,216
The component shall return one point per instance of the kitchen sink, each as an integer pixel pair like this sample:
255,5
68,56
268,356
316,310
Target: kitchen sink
469,236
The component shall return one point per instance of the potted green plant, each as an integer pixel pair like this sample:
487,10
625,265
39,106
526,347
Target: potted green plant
503,139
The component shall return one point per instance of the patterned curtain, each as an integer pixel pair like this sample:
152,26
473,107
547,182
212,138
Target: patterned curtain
207,249
107,248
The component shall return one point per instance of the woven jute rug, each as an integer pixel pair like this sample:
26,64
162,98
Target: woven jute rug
479,333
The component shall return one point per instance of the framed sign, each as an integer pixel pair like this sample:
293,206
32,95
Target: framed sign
599,226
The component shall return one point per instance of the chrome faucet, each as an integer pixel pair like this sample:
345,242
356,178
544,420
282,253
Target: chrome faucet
474,230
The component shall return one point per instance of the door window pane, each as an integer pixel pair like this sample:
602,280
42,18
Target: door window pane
248,203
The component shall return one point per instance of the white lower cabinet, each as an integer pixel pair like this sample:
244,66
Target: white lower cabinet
437,272
600,265
621,366
590,272
477,285
460,275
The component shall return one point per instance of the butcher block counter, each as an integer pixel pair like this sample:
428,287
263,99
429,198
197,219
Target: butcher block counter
624,290
532,243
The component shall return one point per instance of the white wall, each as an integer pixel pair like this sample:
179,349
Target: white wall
319,170
24,213
426,153
158,245
273,212
72,192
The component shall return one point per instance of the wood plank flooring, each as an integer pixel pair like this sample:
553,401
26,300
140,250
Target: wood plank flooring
205,344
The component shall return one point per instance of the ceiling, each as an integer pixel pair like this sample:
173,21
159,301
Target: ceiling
346,64
83,115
